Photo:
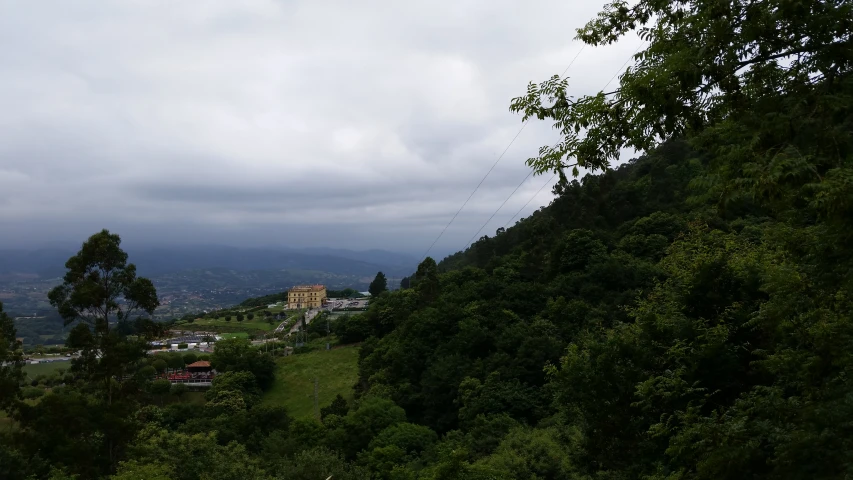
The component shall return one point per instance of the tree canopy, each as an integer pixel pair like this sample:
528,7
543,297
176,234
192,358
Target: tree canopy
378,285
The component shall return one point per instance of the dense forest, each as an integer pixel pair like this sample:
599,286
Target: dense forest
687,315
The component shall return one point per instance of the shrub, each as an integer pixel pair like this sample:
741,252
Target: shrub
159,365
30,393
147,372
179,389
160,387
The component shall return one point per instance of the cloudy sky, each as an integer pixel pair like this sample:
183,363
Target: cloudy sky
262,122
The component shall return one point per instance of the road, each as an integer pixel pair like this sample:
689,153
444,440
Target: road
309,315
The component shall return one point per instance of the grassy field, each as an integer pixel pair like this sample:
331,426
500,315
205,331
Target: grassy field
234,335
45,368
336,370
258,324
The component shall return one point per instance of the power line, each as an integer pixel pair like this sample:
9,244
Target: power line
523,125
496,211
530,200
552,147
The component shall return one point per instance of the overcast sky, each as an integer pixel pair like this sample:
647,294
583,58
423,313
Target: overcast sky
260,122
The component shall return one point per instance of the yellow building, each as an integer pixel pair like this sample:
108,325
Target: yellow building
306,296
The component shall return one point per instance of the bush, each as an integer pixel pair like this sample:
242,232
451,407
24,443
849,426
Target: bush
147,372
160,387
30,393
159,365
182,346
179,389
228,319
175,361
250,316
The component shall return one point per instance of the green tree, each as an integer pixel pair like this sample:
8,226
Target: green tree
160,365
404,283
239,317
178,390
98,287
378,285
250,316
241,382
189,358
187,457
338,407
238,355
98,278
320,463
704,64
160,388
175,361
11,362
147,372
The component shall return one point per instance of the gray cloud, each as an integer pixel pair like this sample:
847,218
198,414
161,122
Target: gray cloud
346,124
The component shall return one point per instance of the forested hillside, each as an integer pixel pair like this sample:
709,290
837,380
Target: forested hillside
687,315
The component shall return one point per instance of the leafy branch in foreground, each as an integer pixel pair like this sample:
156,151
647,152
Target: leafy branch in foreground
706,61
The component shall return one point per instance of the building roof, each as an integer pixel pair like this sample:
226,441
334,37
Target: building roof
200,363
307,288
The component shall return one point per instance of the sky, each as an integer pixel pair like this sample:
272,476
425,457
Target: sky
278,123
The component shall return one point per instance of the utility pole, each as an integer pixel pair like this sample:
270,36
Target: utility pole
316,402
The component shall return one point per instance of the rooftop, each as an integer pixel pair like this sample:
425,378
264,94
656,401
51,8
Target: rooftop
307,288
200,363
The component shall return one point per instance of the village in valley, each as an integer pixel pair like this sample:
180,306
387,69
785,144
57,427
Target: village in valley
185,347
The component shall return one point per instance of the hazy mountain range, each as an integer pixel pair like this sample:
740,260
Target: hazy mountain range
152,261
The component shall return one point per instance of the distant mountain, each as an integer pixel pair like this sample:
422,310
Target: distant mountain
379,257
160,260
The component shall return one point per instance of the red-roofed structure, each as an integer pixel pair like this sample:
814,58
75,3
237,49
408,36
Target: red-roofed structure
199,366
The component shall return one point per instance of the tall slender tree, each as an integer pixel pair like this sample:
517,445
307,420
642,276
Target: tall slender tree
100,286
378,285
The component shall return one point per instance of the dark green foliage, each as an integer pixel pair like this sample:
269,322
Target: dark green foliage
30,393
11,361
98,276
159,364
242,382
353,433
352,328
338,407
160,387
345,293
238,355
265,300
179,389
189,358
317,463
378,285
